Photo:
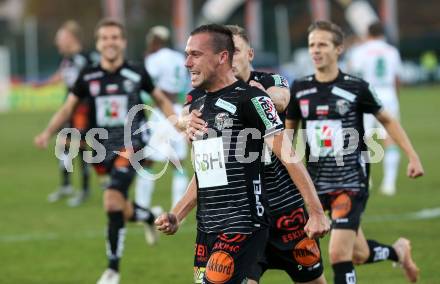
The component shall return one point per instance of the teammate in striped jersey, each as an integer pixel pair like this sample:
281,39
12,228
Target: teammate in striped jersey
287,233
113,87
330,106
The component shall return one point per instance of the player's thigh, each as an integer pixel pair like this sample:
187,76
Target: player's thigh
201,254
341,245
345,208
361,251
235,258
290,249
114,200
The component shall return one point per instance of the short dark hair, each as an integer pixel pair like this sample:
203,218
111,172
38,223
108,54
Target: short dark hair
221,38
335,30
239,31
376,29
110,22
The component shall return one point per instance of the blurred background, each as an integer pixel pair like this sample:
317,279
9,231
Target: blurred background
277,30
52,243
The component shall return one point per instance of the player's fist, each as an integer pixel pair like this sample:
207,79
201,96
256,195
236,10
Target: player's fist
256,84
317,226
42,140
167,223
195,126
415,168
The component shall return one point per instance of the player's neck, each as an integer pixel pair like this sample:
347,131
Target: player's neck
222,82
111,65
327,74
76,49
247,75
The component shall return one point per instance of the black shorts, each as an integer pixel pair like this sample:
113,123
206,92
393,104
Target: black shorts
231,258
290,249
345,208
120,170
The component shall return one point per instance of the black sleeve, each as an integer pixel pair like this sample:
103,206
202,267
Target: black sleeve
146,82
192,96
273,80
197,100
368,100
293,110
258,111
81,88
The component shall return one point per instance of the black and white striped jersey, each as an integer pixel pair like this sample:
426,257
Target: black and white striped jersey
227,160
112,95
282,193
332,119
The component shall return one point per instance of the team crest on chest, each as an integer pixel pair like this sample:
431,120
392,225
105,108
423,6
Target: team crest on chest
222,121
94,88
304,106
342,106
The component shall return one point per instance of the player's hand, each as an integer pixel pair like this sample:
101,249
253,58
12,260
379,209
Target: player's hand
195,126
256,84
415,168
167,223
317,226
42,140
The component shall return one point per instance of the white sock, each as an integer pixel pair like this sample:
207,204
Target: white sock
391,166
180,182
144,191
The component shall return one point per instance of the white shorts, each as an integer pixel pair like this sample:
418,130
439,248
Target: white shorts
391,104
165,142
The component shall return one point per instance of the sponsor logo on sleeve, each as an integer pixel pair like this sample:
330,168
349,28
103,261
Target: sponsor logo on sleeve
280,81
220,267
267,112
129,74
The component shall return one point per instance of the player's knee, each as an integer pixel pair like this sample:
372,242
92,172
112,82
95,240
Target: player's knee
360,256
113,201
337,254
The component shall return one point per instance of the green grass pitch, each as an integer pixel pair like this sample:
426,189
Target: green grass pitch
43,243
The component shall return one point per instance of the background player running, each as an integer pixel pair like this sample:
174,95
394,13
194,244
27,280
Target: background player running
113,87
68,42
328,103
167,69
379,63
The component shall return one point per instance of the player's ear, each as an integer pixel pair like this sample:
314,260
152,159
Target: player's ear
340,49
251,54
224,57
